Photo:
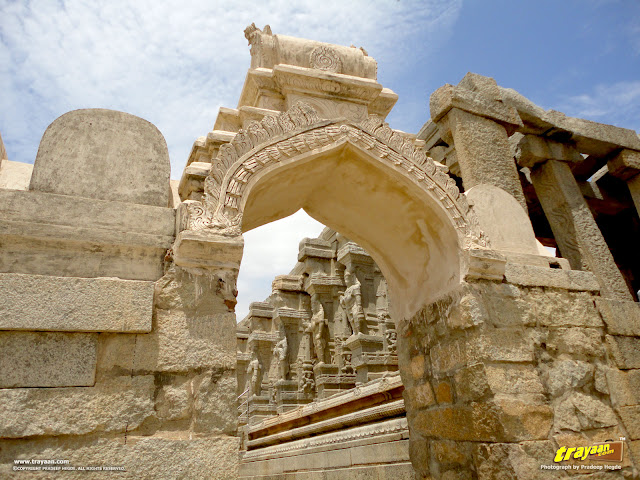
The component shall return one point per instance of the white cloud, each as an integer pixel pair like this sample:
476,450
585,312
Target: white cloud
175,63
615,104
271,250
172,63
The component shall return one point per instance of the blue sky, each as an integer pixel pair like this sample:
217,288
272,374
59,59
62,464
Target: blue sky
176,63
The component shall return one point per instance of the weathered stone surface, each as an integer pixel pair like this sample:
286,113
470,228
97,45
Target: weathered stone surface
503,219
625,165
166,455
532,276
419,396
214,403
33,359
579,411
630,416
564,309
578,236
568,374
576,341
103,154
471,382
623,386
522,461
532,150
621,317
120,404
506,420
513,379
483,153
38,302
624,350
15,175
174,402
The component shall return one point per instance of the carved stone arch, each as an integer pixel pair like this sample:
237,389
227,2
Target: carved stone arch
266,144
277,143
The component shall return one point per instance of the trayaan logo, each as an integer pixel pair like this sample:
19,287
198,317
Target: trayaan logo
606,451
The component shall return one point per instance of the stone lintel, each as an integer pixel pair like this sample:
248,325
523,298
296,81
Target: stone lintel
70,304
362,343
261,309
352,254
37,359
290,315
262,340
532,276
205,149
288,283
532,150
250,114
228,120
486,264
207,250
296,79
320,283
383,103
448,97
589,137
47,209
192,180
625,164
315,247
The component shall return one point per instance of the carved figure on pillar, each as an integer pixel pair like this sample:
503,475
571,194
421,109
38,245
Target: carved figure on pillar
307,383
280,352
253,374
351,302
391,338
317,328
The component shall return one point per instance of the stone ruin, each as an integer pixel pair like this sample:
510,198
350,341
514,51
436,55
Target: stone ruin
118,339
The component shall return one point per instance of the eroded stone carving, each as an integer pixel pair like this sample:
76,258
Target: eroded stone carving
325,58
299,130
317,329
351,302
280,352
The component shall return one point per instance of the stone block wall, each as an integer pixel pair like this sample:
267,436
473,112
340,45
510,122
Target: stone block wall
111,355
498,376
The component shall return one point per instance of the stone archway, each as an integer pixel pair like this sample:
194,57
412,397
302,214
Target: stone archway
382,192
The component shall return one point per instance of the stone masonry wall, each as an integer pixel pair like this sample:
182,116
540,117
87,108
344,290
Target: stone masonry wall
498,376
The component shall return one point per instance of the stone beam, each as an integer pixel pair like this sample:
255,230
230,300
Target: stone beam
576,232
473,118
626,166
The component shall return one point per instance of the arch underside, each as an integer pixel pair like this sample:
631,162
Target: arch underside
363,180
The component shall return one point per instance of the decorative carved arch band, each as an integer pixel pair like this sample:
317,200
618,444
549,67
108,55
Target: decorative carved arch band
265,144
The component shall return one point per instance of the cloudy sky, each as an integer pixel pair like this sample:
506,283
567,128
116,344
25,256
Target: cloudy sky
176,63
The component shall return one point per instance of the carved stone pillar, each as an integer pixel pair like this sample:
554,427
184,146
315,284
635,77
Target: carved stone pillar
473,117
576,232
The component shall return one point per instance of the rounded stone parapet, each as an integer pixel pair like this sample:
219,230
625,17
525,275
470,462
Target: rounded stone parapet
103,154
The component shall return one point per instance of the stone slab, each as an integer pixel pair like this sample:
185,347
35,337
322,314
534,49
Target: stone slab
99,215
35,359
164,455
114,406
624,350
103,154
71,304
531,276
503,219
621,317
